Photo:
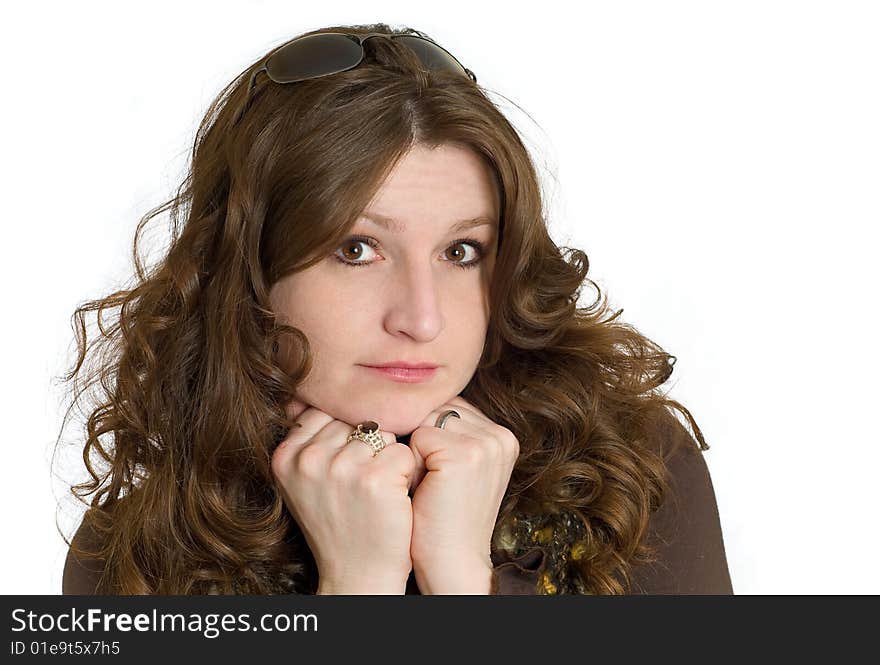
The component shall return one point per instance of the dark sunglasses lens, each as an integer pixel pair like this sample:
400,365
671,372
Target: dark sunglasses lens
432,55
313,56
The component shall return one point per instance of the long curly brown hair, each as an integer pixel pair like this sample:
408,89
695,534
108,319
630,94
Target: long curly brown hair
190,395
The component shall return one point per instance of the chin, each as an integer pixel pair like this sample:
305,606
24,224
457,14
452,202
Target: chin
401,432
400,419
402,422
391,425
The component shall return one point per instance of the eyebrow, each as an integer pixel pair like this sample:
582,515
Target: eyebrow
392,225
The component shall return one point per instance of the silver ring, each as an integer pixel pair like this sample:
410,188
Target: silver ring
441,421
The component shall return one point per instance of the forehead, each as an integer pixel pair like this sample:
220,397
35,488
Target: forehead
394,226
449,183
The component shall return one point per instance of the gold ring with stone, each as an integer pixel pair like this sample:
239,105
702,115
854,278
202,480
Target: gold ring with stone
368,432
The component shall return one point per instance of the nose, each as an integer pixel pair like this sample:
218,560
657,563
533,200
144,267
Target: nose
415,304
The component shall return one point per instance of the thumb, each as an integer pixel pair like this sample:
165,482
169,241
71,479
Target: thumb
419,471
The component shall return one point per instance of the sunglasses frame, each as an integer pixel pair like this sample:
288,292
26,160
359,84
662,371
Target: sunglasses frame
360,39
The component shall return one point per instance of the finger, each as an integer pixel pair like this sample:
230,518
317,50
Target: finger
467,420
294,408
430,445
399,460
419,468
358,451
308,421
458,400
323,436
463,407
470,419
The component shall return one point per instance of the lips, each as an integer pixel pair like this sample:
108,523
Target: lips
402,364
404,374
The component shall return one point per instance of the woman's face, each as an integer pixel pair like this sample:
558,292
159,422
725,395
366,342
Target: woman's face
412,296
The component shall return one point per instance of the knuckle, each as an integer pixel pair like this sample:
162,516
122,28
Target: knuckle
475,452
514,446
370,481
507,441
285,452
340,468
280,460
409,458
399,455
309,462
510,443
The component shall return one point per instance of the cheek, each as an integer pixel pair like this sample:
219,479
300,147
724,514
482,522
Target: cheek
314,302
468,319
309,302
331,330
475,301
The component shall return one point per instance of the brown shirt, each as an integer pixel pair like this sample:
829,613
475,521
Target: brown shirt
685,532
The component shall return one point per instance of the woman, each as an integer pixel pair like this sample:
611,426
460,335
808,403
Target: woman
355,200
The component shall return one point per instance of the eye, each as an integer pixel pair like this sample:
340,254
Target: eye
351,243
353,258
475,245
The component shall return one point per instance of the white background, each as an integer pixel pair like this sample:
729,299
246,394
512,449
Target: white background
718,162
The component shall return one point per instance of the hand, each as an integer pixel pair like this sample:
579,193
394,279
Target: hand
353,508
464,470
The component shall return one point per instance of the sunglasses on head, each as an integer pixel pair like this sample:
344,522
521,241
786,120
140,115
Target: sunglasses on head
325,53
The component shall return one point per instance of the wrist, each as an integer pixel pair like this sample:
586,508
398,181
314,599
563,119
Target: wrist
472,577
365,588
361,585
